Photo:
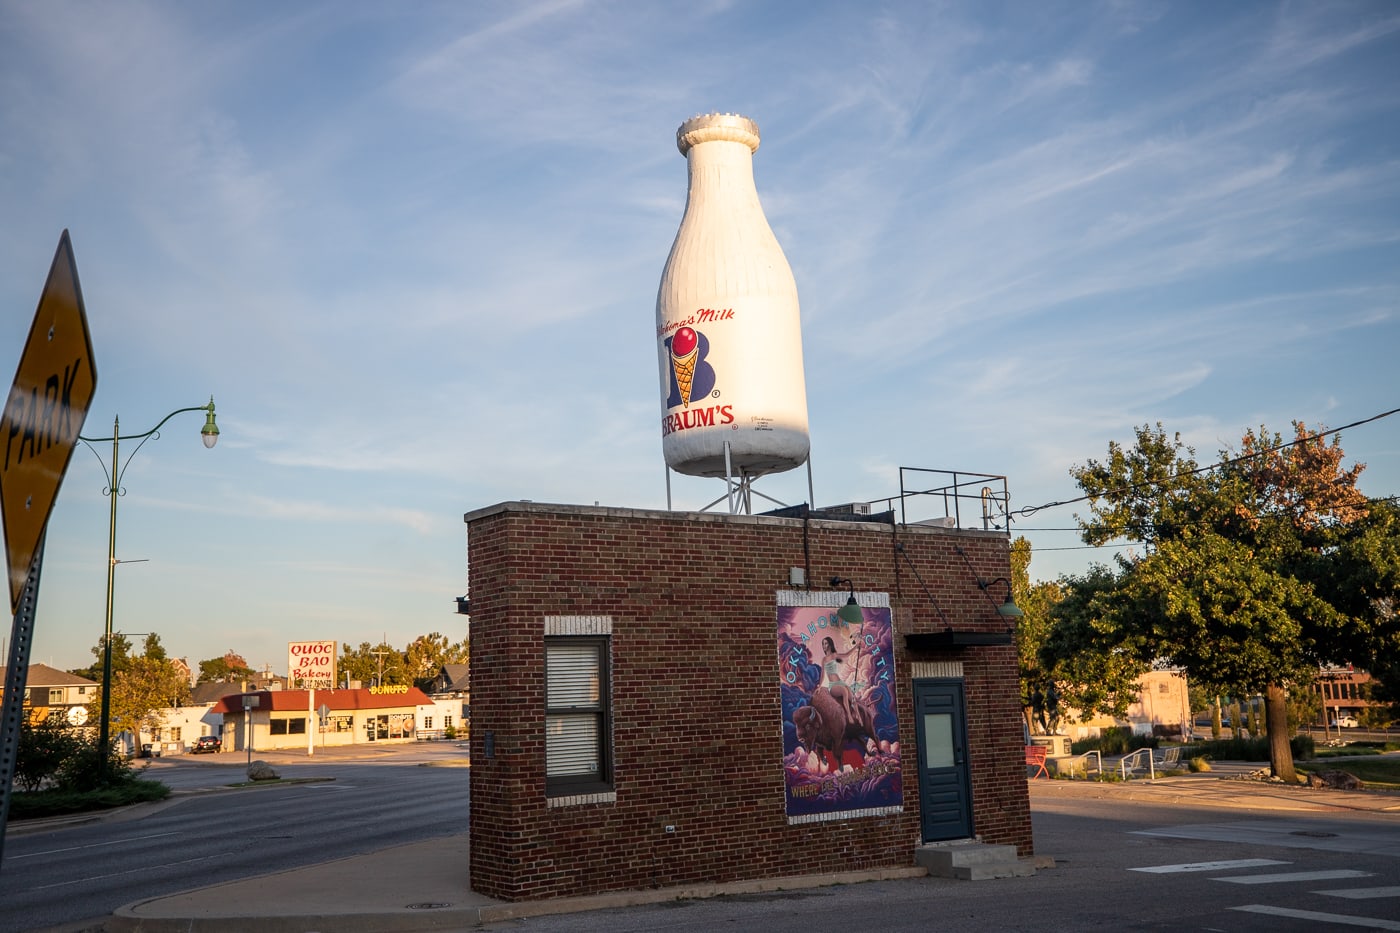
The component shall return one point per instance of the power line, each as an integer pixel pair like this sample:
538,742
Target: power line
1031,510
1374,500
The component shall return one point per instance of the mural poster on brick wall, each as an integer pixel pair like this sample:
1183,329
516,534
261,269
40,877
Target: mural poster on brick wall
841,754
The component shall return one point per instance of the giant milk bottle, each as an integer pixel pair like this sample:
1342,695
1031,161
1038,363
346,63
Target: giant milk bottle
728,331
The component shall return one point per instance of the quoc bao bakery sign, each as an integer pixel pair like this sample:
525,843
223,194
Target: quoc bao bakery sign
311,664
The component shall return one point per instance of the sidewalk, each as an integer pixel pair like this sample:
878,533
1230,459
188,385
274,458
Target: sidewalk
424,886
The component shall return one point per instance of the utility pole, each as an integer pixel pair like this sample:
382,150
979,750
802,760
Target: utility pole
379,654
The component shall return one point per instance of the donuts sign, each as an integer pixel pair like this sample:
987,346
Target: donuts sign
311,664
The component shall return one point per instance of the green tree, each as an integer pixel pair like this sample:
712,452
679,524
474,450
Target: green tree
43,748
1228,586
374,664
152,648
143,686
423,657
1093,663
1362,577
229,668
426,654
142,692
121,651
1038,691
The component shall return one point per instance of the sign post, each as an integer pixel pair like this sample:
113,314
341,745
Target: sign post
43,415
250,703
313,663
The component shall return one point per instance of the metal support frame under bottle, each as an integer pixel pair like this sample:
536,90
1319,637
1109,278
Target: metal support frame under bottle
739,490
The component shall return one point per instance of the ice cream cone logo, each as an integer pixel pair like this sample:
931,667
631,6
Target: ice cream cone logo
685,353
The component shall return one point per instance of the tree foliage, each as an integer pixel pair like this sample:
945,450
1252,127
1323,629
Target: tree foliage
1238,581
379,664
121,652
426,654
417,664
43,748
1093,664
229,668
1063,668
143,686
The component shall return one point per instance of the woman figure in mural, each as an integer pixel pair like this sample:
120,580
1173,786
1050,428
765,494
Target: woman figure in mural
832,662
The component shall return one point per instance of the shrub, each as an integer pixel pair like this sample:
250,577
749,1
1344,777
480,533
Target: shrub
1252,749
1114,740
43,748
83,778
58,802
92,768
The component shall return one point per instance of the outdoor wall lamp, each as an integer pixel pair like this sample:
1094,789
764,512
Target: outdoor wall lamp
1008,609
849,613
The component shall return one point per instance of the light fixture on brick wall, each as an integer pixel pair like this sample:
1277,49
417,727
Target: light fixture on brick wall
849,613
1008,609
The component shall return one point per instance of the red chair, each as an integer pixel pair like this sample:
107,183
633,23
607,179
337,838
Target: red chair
1035,758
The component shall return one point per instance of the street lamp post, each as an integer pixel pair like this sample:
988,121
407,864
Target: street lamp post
210,435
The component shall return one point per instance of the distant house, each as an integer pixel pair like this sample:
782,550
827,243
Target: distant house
57,695
453,679
451,693
1162,708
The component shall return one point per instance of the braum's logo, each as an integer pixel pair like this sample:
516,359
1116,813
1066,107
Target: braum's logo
692,377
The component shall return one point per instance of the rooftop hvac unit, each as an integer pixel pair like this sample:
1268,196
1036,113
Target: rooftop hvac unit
848,508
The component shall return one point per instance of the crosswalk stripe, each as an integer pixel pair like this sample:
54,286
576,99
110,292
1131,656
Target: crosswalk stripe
1370,923
1210,866
1363,893
1296,876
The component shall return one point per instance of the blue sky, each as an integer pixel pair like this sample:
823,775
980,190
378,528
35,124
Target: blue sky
412,250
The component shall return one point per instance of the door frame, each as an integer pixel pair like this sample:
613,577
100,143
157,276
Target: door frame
956,779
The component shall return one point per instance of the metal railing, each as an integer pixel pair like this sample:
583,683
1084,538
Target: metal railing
952,498
1125,770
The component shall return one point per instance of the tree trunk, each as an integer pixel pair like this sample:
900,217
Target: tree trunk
1276,722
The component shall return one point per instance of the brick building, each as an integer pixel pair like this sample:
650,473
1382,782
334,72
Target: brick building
646,689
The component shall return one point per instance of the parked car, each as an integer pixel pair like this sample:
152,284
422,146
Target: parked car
207,743
1345,722
149,750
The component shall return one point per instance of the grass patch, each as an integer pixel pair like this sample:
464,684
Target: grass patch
1342,751
1377,773
65,802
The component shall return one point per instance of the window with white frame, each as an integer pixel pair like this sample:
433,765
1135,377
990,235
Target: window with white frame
577,722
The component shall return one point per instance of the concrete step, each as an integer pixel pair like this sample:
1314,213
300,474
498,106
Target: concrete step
973,861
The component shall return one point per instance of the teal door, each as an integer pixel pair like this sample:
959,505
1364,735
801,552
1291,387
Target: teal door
945,786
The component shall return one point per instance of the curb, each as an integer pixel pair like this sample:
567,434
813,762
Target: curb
428,917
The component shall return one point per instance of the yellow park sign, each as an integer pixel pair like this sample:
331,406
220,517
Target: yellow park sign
44,414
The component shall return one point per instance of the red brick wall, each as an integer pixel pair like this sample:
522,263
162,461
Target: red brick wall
699,746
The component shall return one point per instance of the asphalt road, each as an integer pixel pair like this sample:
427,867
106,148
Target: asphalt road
58,877
1120,865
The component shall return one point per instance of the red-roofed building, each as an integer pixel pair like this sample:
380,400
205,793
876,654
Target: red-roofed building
280,718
